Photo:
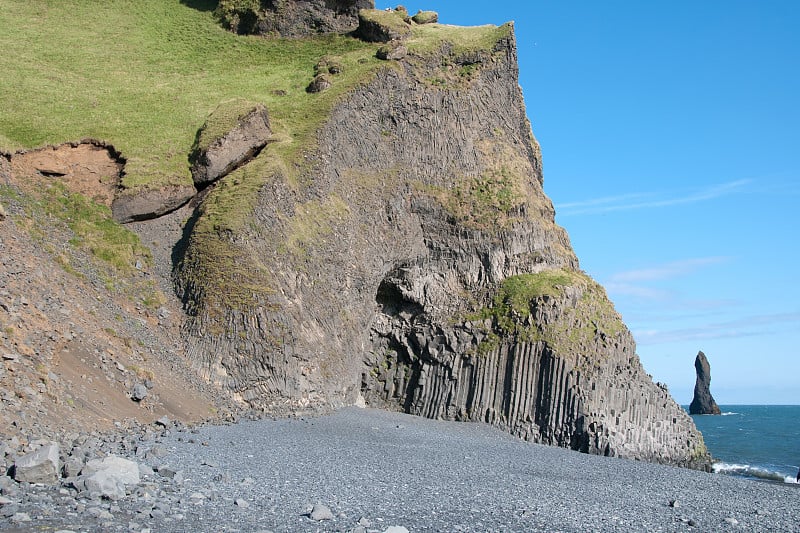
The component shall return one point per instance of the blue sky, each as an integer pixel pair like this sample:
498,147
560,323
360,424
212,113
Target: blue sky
669,134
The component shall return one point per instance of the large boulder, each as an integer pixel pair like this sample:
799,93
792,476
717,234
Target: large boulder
703,403
393,51
40,466
426,17
232,134
130,206
379,26
110,476
321,82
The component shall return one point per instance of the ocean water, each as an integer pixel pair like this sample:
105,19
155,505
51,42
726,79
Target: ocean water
754,441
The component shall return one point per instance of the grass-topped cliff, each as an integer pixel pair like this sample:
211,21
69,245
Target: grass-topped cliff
144,76
392,217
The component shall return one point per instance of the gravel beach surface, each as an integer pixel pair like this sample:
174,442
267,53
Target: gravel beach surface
368,470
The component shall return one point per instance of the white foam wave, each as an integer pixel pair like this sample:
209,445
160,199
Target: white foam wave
751,471
729,413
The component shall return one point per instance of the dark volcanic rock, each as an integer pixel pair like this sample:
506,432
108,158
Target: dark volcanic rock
292,18
379,26
130,206
392,51
320,83
703,403
41,466
420,269
232,135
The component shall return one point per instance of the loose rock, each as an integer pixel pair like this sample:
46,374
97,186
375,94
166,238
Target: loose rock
321,512
110,476
395,529
41,466
392,51
320,83
139,392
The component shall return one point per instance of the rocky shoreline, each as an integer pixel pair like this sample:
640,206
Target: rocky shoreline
363,470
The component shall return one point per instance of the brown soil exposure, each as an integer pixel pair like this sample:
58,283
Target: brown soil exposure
87,168
71,348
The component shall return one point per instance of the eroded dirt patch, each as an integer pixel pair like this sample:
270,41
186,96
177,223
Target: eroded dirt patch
90,169
72,344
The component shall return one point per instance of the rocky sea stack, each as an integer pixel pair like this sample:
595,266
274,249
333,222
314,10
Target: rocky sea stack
702,402
383,239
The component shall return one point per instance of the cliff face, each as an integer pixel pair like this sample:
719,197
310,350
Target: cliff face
413,260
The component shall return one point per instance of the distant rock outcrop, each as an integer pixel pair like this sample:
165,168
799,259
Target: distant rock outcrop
703,403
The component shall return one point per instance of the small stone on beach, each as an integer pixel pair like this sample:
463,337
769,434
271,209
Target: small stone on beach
395,529
320,512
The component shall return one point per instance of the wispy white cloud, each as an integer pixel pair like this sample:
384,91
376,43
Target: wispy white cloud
649,200
639,284
650,337
606,201
742,327
666,271
616,289
679,311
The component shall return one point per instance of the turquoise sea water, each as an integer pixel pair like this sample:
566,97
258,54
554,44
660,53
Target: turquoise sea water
756,441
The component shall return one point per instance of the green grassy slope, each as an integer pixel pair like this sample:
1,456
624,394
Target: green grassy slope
144,75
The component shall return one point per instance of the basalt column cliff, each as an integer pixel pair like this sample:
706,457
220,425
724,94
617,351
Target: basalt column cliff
412,259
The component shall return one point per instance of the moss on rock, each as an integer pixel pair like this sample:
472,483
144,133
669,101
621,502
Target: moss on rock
378,26
218,270
523,309
223,119
426,17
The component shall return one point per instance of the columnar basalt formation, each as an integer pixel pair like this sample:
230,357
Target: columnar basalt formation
413,260
702,402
